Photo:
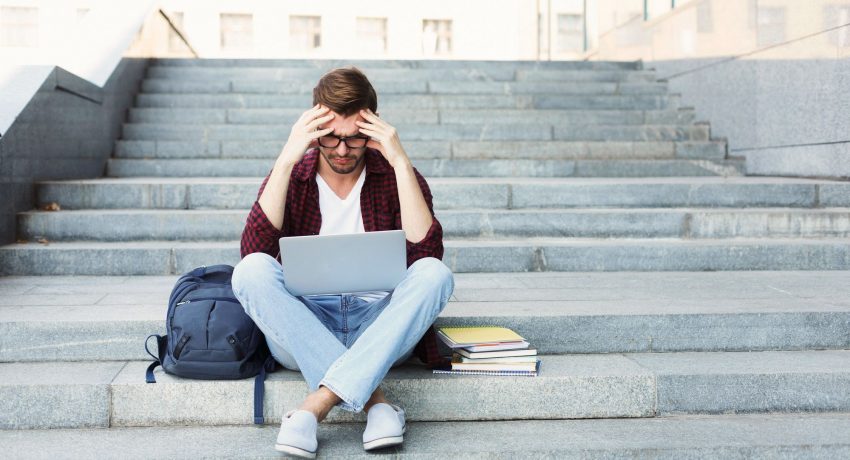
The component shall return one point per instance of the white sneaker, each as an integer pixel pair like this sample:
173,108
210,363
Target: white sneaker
385,426
298,434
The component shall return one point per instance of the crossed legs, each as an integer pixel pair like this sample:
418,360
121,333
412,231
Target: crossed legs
335,374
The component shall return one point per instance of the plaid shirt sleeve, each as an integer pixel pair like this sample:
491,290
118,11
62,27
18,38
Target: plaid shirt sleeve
427,349
259,235
432,244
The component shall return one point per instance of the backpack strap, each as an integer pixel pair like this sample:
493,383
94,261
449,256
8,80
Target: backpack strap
149,377
205,270
161,343
260,388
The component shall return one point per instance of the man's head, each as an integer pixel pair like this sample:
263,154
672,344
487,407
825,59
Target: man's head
345,91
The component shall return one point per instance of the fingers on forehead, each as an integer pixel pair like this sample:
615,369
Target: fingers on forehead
310,113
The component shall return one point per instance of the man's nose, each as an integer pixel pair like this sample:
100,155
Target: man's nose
342,149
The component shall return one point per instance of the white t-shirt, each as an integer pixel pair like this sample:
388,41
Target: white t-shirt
340,216
344,217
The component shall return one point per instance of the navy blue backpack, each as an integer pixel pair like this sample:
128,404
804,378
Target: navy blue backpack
209,336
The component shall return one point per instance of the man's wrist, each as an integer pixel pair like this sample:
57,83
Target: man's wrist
401,161
284,164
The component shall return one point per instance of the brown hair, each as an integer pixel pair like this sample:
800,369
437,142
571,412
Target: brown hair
345,90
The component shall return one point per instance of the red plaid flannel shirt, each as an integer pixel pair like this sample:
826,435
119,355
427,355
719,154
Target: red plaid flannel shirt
380,208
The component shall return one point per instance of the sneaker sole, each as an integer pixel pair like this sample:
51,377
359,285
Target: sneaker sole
294,451
385,442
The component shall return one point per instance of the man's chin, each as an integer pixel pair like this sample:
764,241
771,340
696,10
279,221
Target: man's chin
344,169
347,167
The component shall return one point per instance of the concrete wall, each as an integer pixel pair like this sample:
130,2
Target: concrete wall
786,117
780,96
66,131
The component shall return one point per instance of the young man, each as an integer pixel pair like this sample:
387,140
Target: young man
343,170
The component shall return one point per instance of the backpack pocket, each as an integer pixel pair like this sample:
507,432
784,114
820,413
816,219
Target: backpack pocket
211,330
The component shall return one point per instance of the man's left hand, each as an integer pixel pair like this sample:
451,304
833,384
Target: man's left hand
384,138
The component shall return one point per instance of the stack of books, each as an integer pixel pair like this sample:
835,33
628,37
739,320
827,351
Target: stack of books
488,350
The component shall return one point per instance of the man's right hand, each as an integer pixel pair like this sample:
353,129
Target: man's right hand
304,134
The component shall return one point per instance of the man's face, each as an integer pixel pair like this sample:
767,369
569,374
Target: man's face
343,159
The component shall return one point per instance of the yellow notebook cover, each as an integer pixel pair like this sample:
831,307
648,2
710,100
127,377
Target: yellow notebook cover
479,334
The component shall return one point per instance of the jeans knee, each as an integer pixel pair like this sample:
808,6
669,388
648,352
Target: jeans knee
252,268
438,274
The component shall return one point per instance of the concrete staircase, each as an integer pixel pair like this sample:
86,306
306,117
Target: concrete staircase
689,310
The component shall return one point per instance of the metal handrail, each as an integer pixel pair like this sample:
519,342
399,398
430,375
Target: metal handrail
178,31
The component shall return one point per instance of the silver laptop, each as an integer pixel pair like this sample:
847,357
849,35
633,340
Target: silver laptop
337,264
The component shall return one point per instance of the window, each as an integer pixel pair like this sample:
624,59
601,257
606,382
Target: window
237,31
18,26
305,33
436,37
771,26
570,33
834,16
372,35
175,43
705,21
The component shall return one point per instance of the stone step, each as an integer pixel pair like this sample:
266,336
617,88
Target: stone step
419,101
382,87
446,150
465,193
520,87
483,73
686,436
461,255
177,116
226,225
102,394
452,132
595,75
496,168
326,64
61,318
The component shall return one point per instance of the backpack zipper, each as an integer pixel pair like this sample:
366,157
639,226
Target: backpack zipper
189,286
207,298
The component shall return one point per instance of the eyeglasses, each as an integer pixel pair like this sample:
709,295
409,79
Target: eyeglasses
352,142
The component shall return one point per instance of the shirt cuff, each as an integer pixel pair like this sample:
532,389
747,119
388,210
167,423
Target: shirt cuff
432,230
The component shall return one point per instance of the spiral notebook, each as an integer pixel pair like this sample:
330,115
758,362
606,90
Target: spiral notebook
464,336
448,370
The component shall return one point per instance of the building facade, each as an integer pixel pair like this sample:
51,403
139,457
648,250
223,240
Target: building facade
375,29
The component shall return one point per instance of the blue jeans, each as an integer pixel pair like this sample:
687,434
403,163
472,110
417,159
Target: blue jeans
342,342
